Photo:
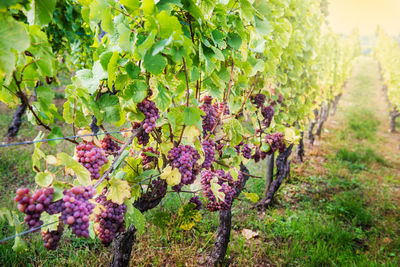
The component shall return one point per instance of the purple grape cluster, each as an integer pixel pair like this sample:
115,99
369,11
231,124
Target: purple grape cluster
196,201
146,159
54,207
109,146
275,142
92,158
268,113
142,137
258,154
223,180
156,189
279,100
219,107
76,209
209,153
246,151
184,158
211,117
258,100
52,238
150,111
33,205
110,221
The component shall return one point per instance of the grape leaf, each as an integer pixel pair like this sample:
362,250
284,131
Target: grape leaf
253,197
173,176
49,219
188,215
41,12
215,187
44,179
81,172
154,64
119,190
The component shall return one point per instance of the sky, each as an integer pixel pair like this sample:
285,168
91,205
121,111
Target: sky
345,15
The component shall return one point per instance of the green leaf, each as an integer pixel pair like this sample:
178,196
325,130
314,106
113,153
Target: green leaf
135,217
148,7
44,179
246,10
234,40
81,172
13,37
163,100
112,69
154,64
132,70
136,91
55,133
41,12
234,130
188,215
175,117
169,26
119,190
192,116
121,158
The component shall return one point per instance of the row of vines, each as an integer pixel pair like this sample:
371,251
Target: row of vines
387,52
199,87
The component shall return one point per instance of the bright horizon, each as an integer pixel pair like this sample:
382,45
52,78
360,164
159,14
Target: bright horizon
366,15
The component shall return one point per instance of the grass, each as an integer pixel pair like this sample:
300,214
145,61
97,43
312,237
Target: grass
339,208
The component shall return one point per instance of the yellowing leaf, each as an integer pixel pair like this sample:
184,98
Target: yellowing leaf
173,176
290,136
44,179
215,187
49,219
52,160
119,190
165,147
81,172
253,197
188,215
249,234
191,133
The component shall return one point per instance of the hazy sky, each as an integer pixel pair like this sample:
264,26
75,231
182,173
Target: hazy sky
345,15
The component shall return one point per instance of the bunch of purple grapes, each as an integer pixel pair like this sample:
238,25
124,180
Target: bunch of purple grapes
110,221
184,158
211,117
142,137
52,238
213,203
219,107
76,209
268,113
258,100
196,201
275,142
150,111
54,207
209,153
156,189
258,154
146,158
108,145
33,205
92,158
246,151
